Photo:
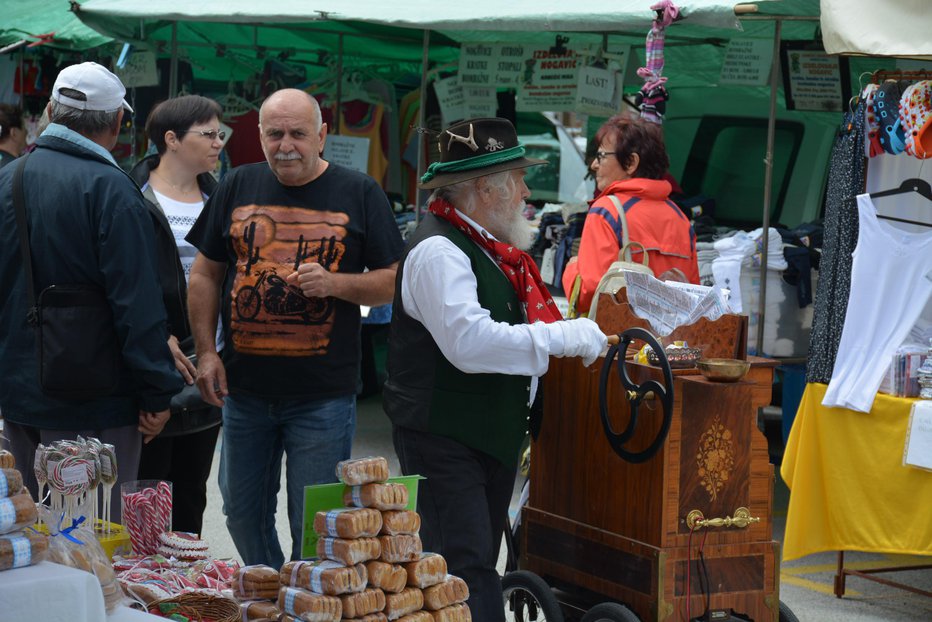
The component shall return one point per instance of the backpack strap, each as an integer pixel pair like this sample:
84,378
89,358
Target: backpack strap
22,225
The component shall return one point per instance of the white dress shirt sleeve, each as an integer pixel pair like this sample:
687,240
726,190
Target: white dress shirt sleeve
438,289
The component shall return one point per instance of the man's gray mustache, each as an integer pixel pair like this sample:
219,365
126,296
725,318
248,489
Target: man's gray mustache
294,155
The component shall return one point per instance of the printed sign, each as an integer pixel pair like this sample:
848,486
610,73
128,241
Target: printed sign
549,81
598,91
918,450
813,80
747,62
450,98
479,101
349,151
492,64
139,70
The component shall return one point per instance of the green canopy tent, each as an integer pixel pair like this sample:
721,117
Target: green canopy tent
48,21
365,30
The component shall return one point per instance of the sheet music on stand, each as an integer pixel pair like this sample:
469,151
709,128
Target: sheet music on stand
669,304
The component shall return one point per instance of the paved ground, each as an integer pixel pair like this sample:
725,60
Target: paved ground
805,585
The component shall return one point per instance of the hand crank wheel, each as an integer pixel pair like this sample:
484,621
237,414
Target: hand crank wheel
636,394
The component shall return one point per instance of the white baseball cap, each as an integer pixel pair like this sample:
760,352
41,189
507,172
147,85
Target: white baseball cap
102,90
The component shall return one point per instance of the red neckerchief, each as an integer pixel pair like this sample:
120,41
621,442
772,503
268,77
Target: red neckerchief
518,267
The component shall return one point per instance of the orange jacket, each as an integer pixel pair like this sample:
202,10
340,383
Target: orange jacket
653,220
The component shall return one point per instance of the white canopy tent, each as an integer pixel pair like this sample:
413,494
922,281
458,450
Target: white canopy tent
877,27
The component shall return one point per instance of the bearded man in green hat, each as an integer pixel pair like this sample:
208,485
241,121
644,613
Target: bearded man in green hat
473,328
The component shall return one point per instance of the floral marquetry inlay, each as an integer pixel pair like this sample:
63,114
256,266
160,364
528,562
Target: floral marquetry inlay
716,457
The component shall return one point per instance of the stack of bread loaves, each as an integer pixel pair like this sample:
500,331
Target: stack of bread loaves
371,566
17,511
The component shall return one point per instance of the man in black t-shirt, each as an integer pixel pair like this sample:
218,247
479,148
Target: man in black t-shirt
289,249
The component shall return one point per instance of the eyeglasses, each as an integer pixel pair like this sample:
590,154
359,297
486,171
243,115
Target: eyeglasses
211,134
601,155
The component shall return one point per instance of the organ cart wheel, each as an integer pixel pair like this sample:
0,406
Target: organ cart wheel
609,612
528,598
786,614
636,394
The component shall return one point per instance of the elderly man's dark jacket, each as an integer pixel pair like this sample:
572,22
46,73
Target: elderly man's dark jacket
88,223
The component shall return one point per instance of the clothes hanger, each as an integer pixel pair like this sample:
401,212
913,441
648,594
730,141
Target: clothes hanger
913,184
234,105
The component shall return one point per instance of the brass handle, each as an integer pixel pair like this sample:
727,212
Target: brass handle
742,518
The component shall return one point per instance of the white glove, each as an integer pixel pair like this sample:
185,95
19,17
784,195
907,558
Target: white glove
582,337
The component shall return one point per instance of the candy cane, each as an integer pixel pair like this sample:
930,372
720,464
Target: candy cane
131,520
150,514
164,491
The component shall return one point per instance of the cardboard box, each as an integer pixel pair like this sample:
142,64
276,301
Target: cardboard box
117,542
324,497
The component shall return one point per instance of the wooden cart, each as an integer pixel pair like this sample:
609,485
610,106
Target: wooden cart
612,536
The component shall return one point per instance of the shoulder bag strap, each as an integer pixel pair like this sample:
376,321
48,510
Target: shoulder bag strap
622,219
19,207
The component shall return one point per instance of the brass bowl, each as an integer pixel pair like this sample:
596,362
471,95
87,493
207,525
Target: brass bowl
723,370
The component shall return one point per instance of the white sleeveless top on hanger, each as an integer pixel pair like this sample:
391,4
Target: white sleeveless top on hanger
891,283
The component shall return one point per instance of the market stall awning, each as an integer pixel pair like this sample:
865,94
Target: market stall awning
50,22
392,32
877,27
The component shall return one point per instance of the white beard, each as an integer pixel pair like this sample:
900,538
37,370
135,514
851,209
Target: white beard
512,227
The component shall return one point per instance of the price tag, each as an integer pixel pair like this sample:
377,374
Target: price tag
75,475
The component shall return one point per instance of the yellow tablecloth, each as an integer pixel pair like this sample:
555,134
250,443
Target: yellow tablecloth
849,489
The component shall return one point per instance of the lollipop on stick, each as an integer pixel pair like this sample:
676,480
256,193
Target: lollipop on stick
108,476
40,468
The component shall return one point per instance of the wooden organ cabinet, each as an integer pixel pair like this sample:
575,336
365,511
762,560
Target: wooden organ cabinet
599,528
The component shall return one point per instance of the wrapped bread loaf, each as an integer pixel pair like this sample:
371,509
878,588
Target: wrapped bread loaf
362,471
16,512
11,482
372,617
348,523
22,549
7,461
370,600
450,591
349,552
400,522
388,496
259,610
404,602
397,549
387,577
417,616
454,613
324,577
256,581
308,606
429,570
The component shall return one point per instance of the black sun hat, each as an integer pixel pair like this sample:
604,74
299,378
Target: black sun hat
473,148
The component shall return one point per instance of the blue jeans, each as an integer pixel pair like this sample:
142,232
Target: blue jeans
316,434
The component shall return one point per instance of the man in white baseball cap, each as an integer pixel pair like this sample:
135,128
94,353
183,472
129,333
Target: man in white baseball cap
89,86
88,224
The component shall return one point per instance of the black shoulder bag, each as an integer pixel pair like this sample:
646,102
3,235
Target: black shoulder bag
190,413
77,345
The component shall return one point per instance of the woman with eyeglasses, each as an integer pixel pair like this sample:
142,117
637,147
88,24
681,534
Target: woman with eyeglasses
176,182
630,169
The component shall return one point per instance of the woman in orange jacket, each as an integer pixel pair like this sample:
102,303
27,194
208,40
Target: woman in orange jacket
631,165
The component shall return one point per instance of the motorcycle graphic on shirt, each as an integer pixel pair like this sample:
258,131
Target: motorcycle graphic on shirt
269,316
278,298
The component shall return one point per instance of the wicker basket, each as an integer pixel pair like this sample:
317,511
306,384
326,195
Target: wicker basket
199,607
